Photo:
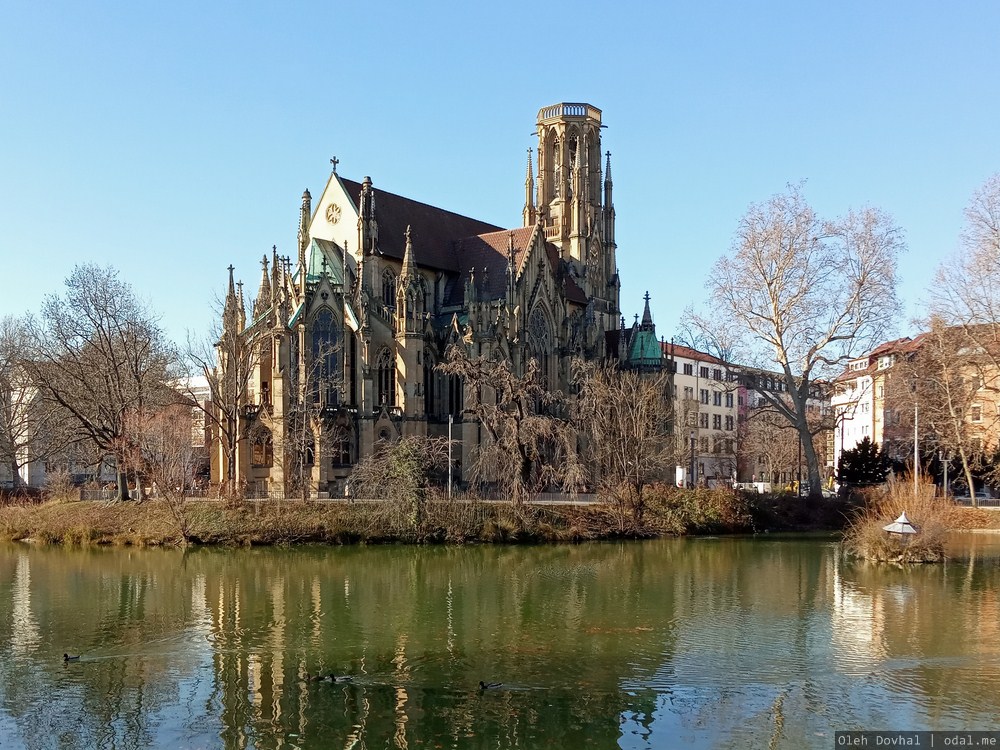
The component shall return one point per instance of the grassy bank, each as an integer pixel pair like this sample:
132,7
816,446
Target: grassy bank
666,511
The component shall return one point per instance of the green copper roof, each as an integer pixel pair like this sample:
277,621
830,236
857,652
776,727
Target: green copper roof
325,257
645,349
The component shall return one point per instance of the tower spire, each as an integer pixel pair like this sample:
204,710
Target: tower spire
647,317
305,213
529,195
263,301
409,265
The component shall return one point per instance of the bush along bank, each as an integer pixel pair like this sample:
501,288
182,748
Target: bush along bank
666,511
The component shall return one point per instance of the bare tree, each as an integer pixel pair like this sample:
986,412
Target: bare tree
226,362
769,445
966,289
966,296
312,427
627,418
954,383
806,295
101,357
529,444
167,455
402,472
31,428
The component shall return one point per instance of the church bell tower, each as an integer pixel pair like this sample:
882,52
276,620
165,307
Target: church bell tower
573,201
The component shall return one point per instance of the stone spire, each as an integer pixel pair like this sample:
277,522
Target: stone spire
263,301
647,318
529,195
305,213
609,206
230,313
409,271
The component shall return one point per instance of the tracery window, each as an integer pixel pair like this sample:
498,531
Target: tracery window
389,288
430,384
385,379
261,447
325,372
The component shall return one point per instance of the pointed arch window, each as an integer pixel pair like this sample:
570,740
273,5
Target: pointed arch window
389,288
430,383
325,370
385,379
540,345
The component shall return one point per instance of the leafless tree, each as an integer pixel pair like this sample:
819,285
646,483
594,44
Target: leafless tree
954,383
100,356
966,289
311,425
966,296
226,361
768,441
167,455
627,418
31,428
806,295
529,444
401,472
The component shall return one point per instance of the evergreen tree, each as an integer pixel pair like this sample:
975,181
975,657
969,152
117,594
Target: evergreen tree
863,466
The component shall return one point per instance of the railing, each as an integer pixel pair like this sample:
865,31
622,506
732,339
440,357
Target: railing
574,109
982,502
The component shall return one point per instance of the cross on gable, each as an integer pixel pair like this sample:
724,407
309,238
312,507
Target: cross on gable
335,161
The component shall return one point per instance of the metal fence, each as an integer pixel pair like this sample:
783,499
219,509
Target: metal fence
982,502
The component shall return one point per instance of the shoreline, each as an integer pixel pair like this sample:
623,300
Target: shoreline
203,522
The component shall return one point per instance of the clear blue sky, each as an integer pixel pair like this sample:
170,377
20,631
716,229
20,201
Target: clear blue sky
172,139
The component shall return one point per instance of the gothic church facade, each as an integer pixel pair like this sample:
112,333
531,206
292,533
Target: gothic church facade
345,340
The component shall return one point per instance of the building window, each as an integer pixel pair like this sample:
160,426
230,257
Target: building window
716,374
704,396
729,423
703,371
729,400
389,288
325,370
703,419
717,421
717,398
456,399
689,393
385,380
976,413
704,449
430,384
688,368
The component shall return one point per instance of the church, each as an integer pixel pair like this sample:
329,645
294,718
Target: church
341,345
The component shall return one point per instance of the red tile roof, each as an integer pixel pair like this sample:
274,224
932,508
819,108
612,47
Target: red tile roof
677,350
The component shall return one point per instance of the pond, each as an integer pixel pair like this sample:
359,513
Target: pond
771,641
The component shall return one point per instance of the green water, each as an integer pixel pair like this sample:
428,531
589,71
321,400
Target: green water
706,643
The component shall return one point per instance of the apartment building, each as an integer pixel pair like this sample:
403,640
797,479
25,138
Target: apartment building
705,405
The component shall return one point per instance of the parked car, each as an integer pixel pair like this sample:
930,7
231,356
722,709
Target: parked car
962,493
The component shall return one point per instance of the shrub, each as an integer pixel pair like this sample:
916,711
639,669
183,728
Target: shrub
865,537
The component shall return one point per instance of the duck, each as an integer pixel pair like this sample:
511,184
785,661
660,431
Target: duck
67,657
489,685
336,679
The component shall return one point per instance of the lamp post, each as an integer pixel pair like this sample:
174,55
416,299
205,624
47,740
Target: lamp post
694,478
450,419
